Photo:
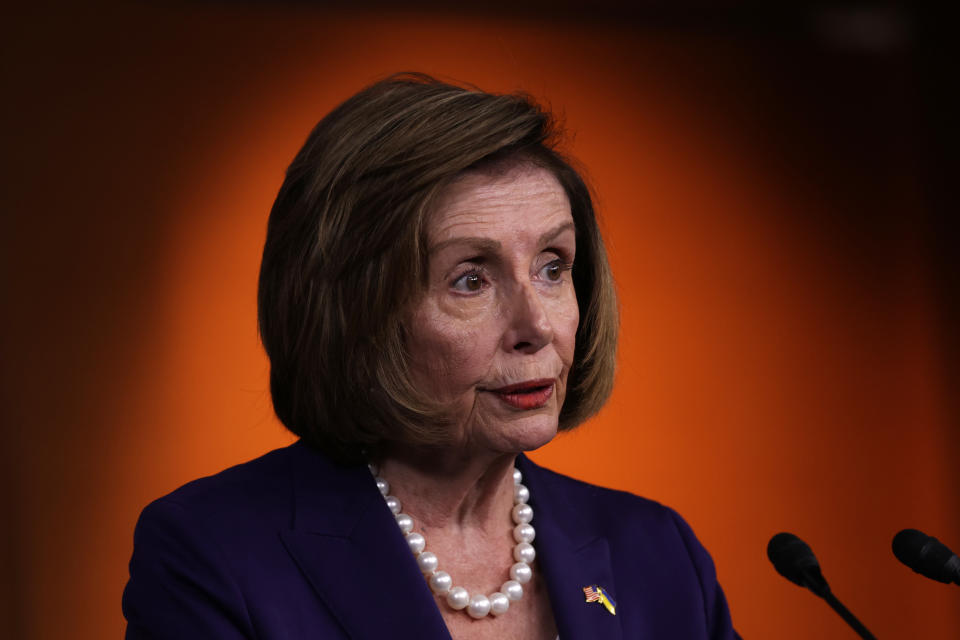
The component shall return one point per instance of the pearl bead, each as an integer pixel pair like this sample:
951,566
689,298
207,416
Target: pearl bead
512,589
524,533
522,513
405,523
521,572
374,471
394,504
440,582
479,606
416,542
520,493
499,603
428,562
458,598
524,552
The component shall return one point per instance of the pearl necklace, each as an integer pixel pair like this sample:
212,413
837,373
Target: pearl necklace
458,598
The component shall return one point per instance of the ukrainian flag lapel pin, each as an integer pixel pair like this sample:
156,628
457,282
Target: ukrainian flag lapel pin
596,593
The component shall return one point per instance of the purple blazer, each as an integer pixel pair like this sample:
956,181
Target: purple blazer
292,545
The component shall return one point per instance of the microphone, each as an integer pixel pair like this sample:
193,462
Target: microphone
794,560
927,556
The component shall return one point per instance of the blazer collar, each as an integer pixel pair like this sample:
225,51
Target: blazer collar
571,555
343,538
342,535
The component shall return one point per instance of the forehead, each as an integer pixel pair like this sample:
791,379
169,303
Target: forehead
523,198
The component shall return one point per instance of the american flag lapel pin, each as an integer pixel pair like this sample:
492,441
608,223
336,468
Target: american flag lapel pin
596,593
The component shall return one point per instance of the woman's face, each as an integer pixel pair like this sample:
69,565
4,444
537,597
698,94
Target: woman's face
492,337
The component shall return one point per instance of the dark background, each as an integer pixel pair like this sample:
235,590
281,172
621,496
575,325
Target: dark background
789,285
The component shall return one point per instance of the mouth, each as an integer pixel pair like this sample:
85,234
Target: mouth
531,394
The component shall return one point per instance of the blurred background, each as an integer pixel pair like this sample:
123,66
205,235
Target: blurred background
776,190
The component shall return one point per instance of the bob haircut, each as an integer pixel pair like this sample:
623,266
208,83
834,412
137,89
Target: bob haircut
345,258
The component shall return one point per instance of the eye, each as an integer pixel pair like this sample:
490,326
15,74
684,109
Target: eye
553,271
470,282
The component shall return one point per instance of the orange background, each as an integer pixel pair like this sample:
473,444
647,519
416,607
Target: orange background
786,361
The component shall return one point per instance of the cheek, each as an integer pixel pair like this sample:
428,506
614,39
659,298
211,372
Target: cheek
449,355
565,323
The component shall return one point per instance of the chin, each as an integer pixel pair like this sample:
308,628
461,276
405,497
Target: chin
494,426
532,432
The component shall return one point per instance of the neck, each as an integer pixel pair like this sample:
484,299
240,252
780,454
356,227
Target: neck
441,488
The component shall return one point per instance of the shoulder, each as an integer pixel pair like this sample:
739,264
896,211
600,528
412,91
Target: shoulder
643,535
659,564
610,511
202,549
228,512
260,488
246,481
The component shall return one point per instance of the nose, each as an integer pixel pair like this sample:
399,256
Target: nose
529,329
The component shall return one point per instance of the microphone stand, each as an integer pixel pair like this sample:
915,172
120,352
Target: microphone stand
844,613
794,560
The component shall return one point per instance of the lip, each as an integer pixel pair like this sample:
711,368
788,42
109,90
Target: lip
530,394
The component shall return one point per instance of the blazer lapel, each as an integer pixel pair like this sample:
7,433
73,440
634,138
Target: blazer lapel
343,536
571,558
348,545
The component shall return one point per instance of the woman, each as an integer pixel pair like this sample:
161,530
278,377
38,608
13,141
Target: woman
425,322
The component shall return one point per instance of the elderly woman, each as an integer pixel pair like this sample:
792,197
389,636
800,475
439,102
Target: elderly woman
435,300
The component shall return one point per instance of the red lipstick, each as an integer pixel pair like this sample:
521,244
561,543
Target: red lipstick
531,394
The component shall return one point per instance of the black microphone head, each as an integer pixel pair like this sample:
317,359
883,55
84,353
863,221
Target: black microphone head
794,560
926,555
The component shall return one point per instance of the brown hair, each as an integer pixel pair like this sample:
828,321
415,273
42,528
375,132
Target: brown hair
345,253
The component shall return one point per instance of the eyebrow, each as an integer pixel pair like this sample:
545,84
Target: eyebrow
486,244
549,236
